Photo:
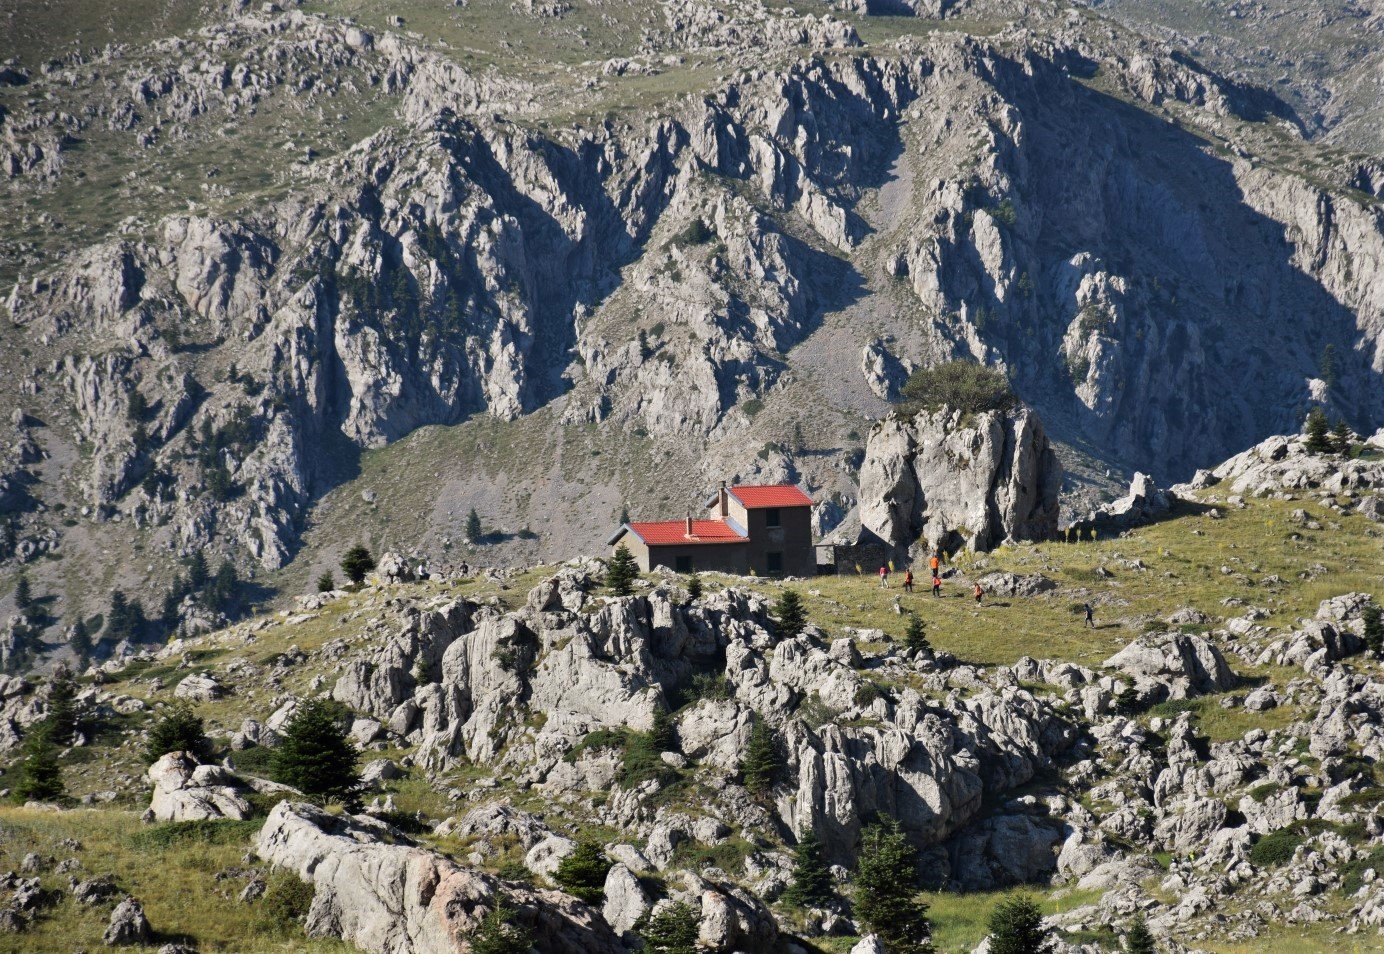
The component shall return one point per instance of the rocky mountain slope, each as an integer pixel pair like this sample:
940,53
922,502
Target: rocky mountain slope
1206,757
615,266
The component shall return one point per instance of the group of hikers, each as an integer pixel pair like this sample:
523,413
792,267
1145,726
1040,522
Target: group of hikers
977,591
935,565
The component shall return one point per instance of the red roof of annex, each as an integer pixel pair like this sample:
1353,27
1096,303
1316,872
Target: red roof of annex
755,496
656,532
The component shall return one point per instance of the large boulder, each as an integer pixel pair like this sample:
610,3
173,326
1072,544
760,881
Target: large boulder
128,925
1187,665
944,479
186,791
389,898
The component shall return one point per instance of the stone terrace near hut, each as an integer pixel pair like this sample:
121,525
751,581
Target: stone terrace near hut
764,529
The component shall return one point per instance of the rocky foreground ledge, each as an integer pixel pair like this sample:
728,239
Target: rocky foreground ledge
401,899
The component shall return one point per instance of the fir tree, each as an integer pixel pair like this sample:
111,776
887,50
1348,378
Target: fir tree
886,896
62,709
763,762
694,588
179,729
80,641
1327,366
498,934
915,637
197,571
325,583
221,592
663,733
1139,939
1016,927
812,886
40,776
1340,437
582,874
624,516
1318,432
9,538
23,596
315,756
172,600
673,930
474,531
124,620
356,563
792,616
621,571
1374,628
1127,701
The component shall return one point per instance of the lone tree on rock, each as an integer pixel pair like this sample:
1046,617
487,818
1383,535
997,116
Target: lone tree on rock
886,895
582,874
812,885
1318,432
792,615
960,385
356,563
325,582
178,730
1139,939
1016,927
763,762
622,571
673,930
316,757
474,531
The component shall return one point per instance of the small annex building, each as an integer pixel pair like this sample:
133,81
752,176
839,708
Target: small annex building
764,529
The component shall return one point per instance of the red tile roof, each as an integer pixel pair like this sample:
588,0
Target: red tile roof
770,495
666,532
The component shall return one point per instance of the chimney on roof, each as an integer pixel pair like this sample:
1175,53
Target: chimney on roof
689,524
725,507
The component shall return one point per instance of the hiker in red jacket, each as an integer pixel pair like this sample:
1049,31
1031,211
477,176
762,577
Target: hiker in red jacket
979,593
884,576
936,585
908,580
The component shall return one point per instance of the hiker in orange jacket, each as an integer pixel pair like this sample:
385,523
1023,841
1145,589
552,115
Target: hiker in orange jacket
908,580
936,585
979,593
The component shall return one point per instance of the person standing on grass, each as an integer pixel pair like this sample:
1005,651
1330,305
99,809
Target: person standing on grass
935,564
884,576
936,585
908,580
1090,616
979,593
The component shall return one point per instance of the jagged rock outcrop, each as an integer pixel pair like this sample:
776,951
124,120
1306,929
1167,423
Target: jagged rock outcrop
396,898
1282,464
945,480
